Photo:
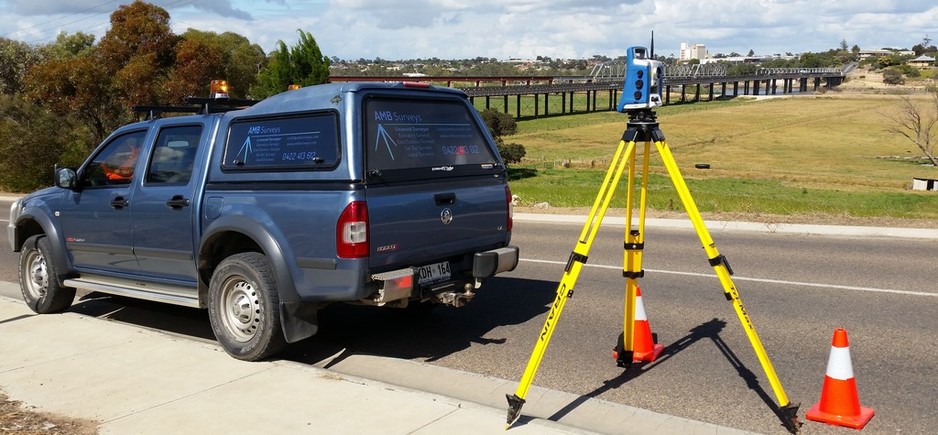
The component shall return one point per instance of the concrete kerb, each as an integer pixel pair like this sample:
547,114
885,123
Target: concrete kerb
779,228
136,380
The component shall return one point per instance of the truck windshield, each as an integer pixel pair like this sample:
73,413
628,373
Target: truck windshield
423,138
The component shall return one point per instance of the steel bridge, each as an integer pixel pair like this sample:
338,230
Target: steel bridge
537,96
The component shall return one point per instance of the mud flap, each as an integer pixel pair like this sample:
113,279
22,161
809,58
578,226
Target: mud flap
299,321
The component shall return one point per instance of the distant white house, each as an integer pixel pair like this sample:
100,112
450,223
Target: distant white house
737,59
874,53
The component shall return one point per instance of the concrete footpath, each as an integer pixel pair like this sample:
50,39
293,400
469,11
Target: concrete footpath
134,380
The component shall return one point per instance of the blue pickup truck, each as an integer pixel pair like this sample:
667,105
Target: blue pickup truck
370,193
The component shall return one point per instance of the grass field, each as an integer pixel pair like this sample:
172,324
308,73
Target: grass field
823,156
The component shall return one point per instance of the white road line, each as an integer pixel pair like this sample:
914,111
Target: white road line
742,278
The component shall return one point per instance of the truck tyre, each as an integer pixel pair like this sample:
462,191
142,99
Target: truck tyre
243,307
38,278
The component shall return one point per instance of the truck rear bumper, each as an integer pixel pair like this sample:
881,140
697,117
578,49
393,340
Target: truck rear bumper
490,263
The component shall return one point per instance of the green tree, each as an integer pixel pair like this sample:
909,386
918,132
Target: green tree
909,70
137,29
502,124
811,60
887,61
499,123
79,86
198,62
893,76
15,59
741,69
32,141
303,64
98,84
138,52
68,45
240,60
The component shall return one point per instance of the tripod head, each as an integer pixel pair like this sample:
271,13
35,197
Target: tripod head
642,117
642,126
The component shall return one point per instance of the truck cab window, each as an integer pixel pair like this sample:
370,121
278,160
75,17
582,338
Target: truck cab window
114,164
174,155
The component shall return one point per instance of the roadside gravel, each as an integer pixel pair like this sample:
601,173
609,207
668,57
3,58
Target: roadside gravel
15,418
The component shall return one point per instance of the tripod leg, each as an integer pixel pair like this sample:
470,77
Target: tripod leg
632,268
723,272
571,272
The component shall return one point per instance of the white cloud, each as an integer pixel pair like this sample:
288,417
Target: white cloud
353,29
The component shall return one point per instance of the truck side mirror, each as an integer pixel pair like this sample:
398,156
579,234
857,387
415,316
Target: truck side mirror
66,178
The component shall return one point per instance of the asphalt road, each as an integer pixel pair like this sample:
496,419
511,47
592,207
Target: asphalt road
797,289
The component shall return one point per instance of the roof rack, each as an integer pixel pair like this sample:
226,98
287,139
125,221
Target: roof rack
201,105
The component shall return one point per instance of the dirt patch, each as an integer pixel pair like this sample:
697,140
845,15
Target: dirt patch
17,418
871,81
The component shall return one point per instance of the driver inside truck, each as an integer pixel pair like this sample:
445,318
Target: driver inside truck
119,166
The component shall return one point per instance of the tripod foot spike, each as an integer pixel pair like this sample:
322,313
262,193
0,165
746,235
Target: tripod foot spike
790,417
514,409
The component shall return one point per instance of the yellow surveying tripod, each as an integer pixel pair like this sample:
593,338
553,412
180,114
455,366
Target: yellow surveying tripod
642,127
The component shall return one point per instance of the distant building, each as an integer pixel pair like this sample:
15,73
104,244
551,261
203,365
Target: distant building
688,52
865,54
923,62
737,59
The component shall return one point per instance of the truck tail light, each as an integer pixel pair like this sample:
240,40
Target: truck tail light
510,207
352,231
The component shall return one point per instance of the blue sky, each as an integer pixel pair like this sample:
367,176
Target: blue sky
455,29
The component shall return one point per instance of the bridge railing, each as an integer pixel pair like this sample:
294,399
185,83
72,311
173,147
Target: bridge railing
698,70
615,70
798,71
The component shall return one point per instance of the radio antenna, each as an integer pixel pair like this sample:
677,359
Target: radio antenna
652,56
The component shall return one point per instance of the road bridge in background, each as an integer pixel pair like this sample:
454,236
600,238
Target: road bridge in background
529,96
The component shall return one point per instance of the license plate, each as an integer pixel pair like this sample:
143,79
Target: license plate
433,273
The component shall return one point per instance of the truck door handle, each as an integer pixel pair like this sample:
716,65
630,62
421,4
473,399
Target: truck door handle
444,198
177,202
119,202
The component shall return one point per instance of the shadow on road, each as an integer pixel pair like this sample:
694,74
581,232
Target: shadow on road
346,330
708,330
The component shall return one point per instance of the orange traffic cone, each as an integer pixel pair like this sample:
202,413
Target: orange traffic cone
645,348
840,403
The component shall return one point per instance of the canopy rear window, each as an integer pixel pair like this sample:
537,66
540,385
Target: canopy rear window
309,141
419,138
